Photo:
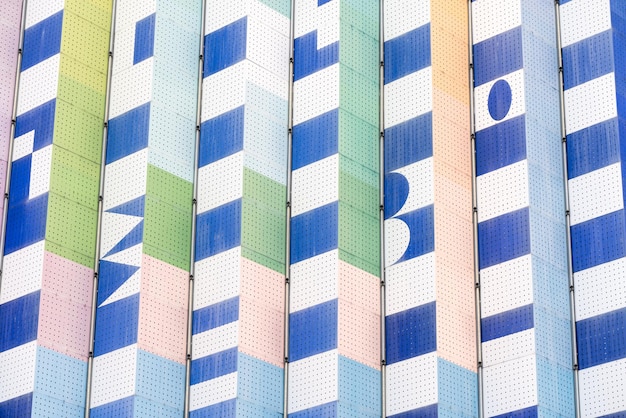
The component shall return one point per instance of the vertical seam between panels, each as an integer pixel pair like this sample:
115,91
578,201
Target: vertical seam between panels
5,208
568,236
288,211
94,292
194,212
381,203
477,300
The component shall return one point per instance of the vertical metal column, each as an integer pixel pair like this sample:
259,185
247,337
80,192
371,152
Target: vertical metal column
381,185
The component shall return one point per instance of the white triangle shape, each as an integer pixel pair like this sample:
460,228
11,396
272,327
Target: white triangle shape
114,228
128,288
130,256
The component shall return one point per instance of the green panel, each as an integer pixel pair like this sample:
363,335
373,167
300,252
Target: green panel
71,230
359,95
94,11
85,42
281,6
359,237
80,96
263,260
74,178
83,74
169,189
359,52
78,131
358,193
364,15
264,190
359,140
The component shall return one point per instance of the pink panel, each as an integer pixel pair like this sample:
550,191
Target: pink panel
163,310
359,287
261,313
65,307
451,137
456,335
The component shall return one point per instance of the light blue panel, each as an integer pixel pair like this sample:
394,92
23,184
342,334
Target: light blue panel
349,411
175,89
555,387
172,141
542,106
547,239
184,13
177,42
250,410
538,18
458,390
553,336
267,103
359,389
543,147
546,193
145,408
540,59
60,377
550,285
260,384
160,380
47,406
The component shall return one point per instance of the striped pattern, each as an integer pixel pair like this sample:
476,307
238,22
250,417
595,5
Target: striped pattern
238,315
334,360
521,240
592,50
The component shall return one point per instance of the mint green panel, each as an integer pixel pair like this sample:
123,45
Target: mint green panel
358,50
356,189
281,6
358,95
359,140
359,236
363,15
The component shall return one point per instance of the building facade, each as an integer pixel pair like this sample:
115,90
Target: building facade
312,208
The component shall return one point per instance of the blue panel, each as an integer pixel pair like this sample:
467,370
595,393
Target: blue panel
134,237
407,53
133,207
602,338
327,410
409,142
313,330
216,315
429,411
314,232
40,120
20,180
411,333
498,56
42,40
588,59
60,377
260,384
396,193
221,136
500,145
116,325
227,409
507,323
359,388
503,238
225,47
308,59
621,414
421,223
19,319
148,408
128,133
111,277
17,407
598,241
120,408
218,230
144,39
160,380
530,412
561,2
26,223
215,365
593,148
315,139
322,2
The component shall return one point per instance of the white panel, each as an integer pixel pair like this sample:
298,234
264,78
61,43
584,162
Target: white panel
114,375
313,381
124,48
40,172
492,17
131,256
213,391
581,19
215,340
481,98
314,281
402,16
17,374
267,80
595,194
603,389
271,17
316,94
509,347
131,88
506,286
118,189
324,19
397,238
510,386
128,288
114,228
223,12
220,182
315,185
268,48
600,289
408,97
38,10
502,191
217,278
129,12
224,91
410,284
412,383
420,176
590,103
22,272
23,145
38,84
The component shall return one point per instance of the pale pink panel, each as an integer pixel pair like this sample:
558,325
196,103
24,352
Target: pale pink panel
261,330
456,335
163,310
451,132
359,287
359,334
65,306
262,284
